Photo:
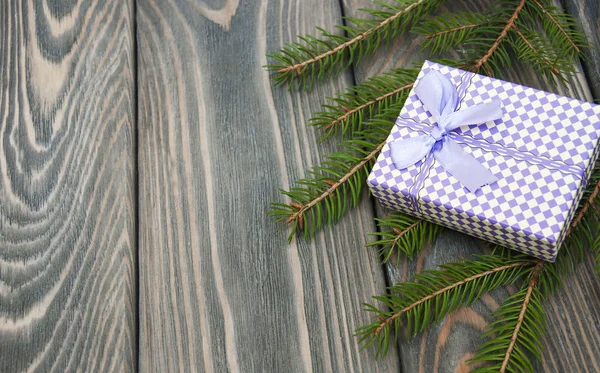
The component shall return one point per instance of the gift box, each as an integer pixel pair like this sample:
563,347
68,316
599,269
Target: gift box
489,158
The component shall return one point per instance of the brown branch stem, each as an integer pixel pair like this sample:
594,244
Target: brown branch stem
513,340
511,21
585,208
298,67
562,30
451,30
366,104
337,184
526,41
400,234
390,319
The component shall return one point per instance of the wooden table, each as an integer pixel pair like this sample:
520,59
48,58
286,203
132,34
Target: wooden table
140,145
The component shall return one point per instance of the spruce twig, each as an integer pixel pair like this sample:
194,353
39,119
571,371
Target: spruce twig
299,66
316,58
335,185
387,321
403,233
558,25
552,68
517,330
513,340
509,24
349,112
434,294
584,209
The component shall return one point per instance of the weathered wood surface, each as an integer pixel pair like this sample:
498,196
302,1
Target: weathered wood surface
67,187
572,343
220,288
587,14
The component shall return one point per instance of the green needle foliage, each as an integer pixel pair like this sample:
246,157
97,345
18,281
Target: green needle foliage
316,58
490,41
338,182
347,111
447,31
529,32
434,294
517,332
596,249
404,234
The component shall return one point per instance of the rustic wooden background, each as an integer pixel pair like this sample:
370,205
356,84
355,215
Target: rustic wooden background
140,144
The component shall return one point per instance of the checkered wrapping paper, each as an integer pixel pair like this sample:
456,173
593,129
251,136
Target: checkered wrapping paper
542,150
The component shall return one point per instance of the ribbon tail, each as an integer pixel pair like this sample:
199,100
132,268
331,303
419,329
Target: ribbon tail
466,169
407,152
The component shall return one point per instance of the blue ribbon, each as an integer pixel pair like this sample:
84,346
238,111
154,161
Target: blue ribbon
441,98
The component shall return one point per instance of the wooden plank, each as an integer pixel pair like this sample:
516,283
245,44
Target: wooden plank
220,287
572,342
67,186
587,13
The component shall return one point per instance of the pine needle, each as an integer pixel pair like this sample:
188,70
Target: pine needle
318,58
434,294
517,331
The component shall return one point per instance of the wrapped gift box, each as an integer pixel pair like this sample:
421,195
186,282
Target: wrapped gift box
541,152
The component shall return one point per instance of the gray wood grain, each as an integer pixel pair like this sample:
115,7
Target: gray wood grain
571,344
220,287
67,203
587,13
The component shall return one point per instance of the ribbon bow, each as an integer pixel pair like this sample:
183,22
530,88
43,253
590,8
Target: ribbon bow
440,97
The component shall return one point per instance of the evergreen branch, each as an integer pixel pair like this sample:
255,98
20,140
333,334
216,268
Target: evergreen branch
451,30
586,205
335,185
404,233
338,181
550,66
596,251
444,32
526,300
349,109
400,234
511,21
298,67
315,58
518,330
557,24
434,294
367,104
389,320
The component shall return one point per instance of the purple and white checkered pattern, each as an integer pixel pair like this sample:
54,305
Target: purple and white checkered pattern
542,151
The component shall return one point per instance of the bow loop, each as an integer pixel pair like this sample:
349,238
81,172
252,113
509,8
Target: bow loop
438,94
440,97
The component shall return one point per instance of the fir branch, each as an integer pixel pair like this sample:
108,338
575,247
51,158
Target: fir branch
335,185
481,61
350,109
521,318
534,55
338,182
316,58
596,251
558,25
517,331
404,233
445,32
434,294
585,207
